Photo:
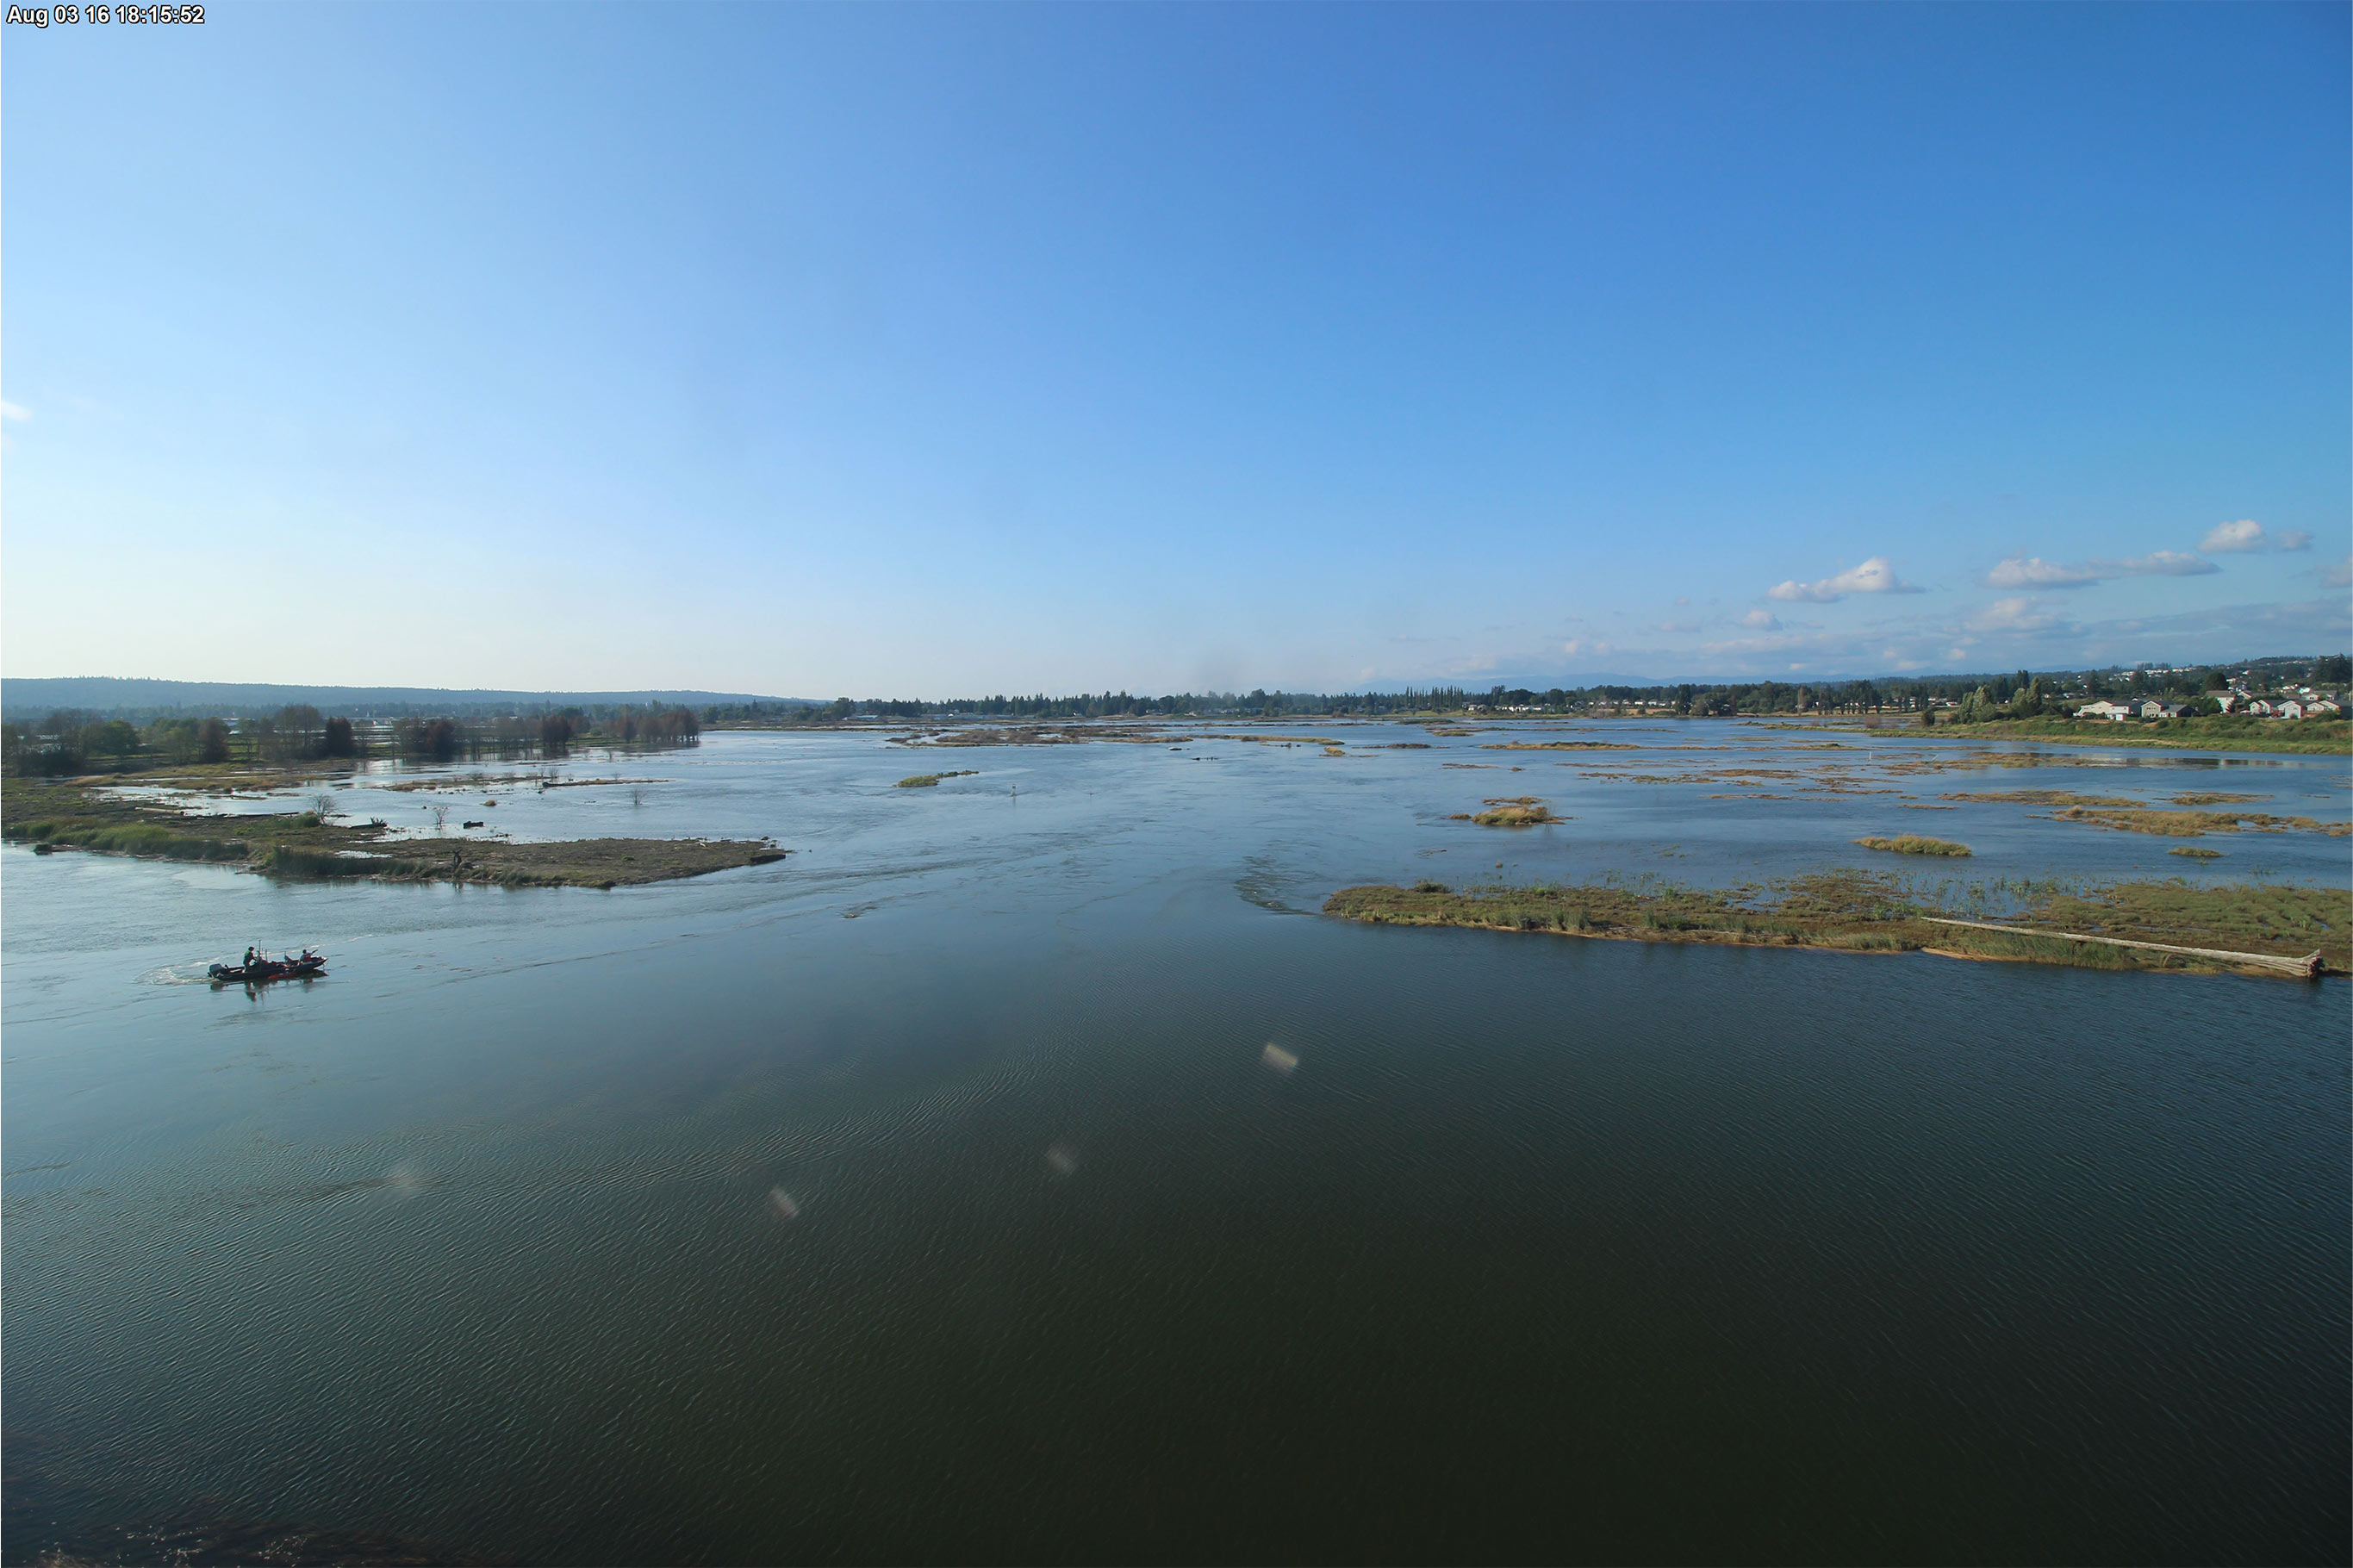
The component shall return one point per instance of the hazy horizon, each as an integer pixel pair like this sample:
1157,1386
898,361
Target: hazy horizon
30,695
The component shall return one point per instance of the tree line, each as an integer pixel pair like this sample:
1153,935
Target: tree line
68,742
1959,698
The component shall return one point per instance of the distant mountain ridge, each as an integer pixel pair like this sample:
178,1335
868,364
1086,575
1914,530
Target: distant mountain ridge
22,698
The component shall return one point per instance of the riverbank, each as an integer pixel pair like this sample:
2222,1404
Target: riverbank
1856,912
2217,733
301,844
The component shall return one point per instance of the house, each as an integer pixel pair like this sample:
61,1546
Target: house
2116,712
2260,707
2227,700
2291,709
2150,708
2325,708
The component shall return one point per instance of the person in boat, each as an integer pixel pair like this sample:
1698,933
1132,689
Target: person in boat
248,956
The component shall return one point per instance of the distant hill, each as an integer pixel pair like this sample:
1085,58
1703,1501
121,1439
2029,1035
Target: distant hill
143,700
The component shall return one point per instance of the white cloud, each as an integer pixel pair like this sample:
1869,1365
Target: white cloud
1761,620
2243,537
1576,645
2023,571
2248,537
2336,574
14,410
1873,576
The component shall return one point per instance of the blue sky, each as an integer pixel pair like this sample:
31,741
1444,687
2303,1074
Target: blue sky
927,351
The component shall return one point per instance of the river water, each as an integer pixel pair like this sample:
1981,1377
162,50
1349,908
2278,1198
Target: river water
1021,1170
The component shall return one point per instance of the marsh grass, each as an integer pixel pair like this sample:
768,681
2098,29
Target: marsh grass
1915,844
153,840
2223,733
2040,797
1518,811
931,781
1864,912
2195,824
1560,746
297,861
2285,918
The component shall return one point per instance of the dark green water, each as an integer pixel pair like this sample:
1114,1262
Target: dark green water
700,1223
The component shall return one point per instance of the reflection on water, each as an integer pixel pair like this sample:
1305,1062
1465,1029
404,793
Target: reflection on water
1079,1200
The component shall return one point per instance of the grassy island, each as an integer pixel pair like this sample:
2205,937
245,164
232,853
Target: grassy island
51,816
2196,824
1519,810
2250,928
1560,746
932,781
1915,844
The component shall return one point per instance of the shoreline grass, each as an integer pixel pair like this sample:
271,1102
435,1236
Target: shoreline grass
2224,732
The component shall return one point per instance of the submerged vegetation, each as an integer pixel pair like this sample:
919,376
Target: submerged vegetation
1914,844
1867,911
2038,798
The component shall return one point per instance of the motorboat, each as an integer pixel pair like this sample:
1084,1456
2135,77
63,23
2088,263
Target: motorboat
260,971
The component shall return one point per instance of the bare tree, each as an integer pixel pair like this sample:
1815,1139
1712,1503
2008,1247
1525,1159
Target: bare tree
323,804
637,797
440,817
